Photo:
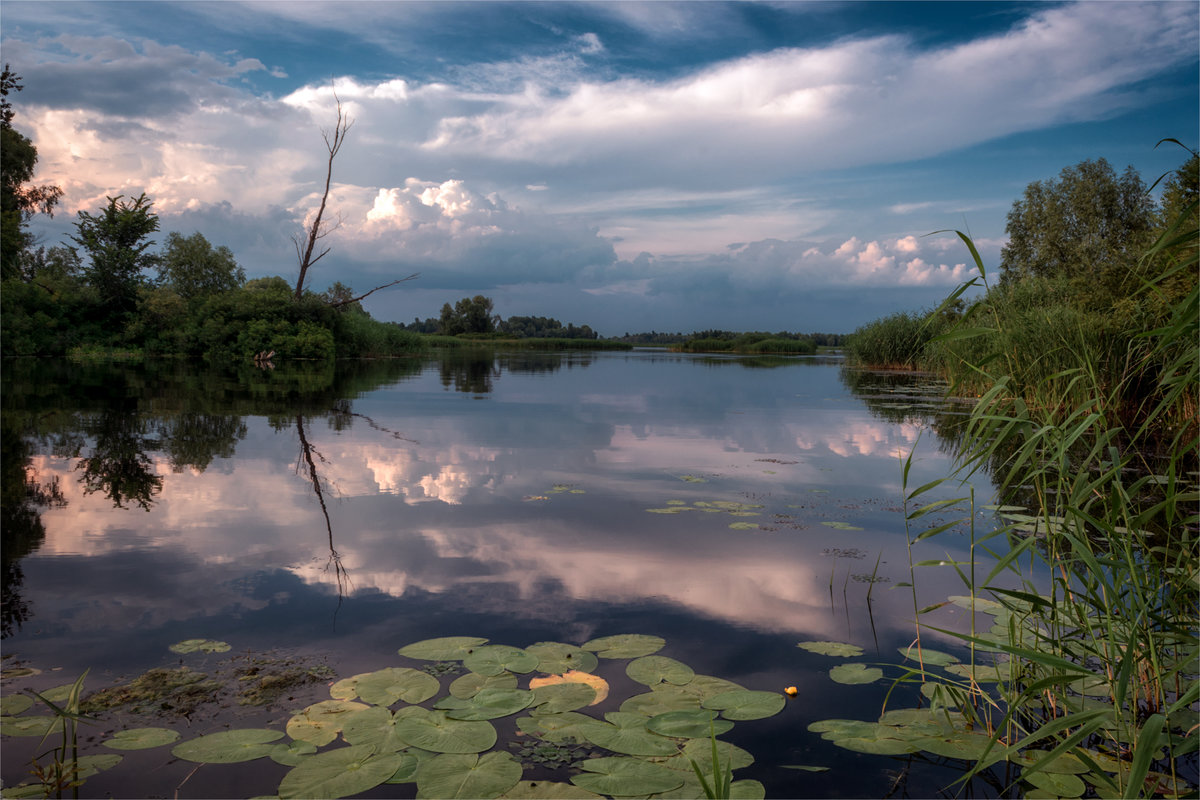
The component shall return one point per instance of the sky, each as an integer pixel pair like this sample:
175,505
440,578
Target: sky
670,166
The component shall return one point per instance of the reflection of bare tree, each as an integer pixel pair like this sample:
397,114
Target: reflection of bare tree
341,417
307,461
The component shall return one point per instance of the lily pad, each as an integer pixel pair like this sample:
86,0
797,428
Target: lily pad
386,686
446,648
433,730
199,646
747,790
491,704
452,776
743,526
1057,784
836,649
652,670
562,727
228,747
745,704
28,726
558,697
375,726
661,700
627,733
557,658
339,773
292,753
625,777
141,738
88,766
466,686
12,704
495,659
599,685
841,526
548,790
980,673
935,658
855,673
729,756
626,645
688,724
320,722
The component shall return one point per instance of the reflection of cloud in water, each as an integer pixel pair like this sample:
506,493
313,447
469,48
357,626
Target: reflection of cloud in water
859,437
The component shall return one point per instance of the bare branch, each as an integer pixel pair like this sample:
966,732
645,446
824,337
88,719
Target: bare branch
333,143
337,303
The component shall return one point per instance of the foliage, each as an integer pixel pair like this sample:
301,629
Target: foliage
191,267
18,202
116,241
469,315
751,343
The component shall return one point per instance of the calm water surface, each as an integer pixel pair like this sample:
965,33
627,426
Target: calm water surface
335,514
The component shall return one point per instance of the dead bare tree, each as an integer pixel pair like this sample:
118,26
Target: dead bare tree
318,230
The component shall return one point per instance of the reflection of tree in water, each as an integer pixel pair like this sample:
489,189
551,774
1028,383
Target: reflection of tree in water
22,497
118,465
193,439
471,371
307,462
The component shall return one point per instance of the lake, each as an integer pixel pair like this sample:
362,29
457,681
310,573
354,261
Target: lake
320,518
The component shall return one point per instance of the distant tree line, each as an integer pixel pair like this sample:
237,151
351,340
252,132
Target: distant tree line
473,315
656,339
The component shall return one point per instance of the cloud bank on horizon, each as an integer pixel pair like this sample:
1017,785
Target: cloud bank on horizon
626,165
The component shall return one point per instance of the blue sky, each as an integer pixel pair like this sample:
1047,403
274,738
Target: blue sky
631,166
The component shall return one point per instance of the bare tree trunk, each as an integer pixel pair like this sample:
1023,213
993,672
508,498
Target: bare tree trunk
333,143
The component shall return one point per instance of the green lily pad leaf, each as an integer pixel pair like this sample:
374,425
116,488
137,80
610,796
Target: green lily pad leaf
386,686
651,704
27,790
855,673
544,790
346,688
652,670
934,658
88,766
199,646
339,773
746,704
556,658
625,777
983,605
141,738
292,753
743,526
495,659
228,747
58,694
566,726
878,747
843,728
375,726
12,704
837,649
451,776
467,686
805,767
626,733
1057,784
559,697
688,724
407,771
625,645
692,479
668,510
747,790
433,730
492,704
446,648
29,726
702,687
1064,764
841,526
980,673
320,722
729,756
959,744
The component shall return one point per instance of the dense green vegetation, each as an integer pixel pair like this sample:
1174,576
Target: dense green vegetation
1085,358
753,343
657,339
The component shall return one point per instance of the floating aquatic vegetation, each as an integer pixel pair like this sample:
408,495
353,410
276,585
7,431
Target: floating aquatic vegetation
199,646
141,738
179,691
855,673
598,685
838,649
841,526
626,645
229,747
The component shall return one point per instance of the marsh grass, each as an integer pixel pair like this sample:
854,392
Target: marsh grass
1096,585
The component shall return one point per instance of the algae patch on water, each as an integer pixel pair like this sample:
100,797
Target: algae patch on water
178,690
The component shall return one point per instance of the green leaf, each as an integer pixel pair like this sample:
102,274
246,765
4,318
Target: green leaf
546,790
744,704
292,753
625,777
855,674
493,704
626,645
199,646
228,747
652,670
29,726
561,727
12,704
556,658
495,659
320,722
688,724
141,738
452,776
384,687
375,726
446,648
805,767
626,733
88,766
837,649
558,697
342,772
435,731
467,686
935,658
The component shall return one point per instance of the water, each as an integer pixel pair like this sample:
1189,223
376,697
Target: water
330,515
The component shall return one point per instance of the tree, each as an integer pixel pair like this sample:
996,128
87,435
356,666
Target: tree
1089,227
116,242
469,315
18,202
194,269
